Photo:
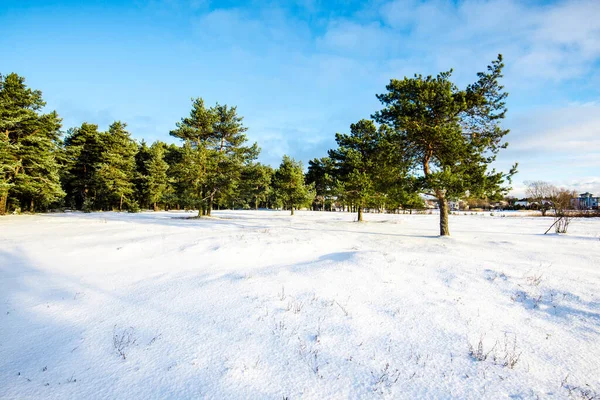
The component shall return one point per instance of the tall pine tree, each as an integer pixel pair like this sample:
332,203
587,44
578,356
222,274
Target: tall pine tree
227,153
452,135
83,153
356,162
140,181
30,142
157,174
117,167
196,131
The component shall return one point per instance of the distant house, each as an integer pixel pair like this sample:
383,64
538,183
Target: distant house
585,201
522,203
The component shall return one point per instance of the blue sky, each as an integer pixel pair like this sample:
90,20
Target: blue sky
300,71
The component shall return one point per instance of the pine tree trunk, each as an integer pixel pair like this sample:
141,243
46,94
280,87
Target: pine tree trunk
444,230
31,206
121,203
155,208
292,210
3,201
210,206
360,214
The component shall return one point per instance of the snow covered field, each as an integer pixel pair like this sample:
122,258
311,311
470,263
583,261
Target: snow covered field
264,305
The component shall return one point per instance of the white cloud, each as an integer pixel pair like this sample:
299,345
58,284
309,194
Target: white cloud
552,42
574,129
369,39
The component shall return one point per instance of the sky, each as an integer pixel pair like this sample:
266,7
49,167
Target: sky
300,71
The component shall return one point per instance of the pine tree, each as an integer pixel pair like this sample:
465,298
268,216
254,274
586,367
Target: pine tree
83,153
255,184
117,167
30,140
451,135
172,196
8,164
196,131
217,137
40,183
157,174
356,162
321,173
142,193
227,153
189,177
289,185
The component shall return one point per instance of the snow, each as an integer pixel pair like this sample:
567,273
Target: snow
259,304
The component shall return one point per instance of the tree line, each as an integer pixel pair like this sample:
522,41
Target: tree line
89,169
430,137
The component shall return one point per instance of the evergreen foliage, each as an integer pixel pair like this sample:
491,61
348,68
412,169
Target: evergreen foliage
157,168
289,185
322,174
29,148
356,160
430,138
214,154
141,175
255,185
116,169
83,152
451,135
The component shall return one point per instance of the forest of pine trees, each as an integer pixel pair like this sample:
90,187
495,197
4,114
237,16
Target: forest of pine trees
430,138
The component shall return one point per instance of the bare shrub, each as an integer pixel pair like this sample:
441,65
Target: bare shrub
535,279
310,356
385,378
562,204
282,293
477,352
295,306
509,354
123,340
504,353
578,392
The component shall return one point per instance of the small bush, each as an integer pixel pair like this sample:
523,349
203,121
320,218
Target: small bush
123,340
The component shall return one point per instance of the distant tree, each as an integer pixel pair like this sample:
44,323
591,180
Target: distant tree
540,192
196,131
190,178
173,194
321,173
393,186
157,174
116,169
142,193
227,153
255,184
356,160
451,135
216,136
8,164
83,153
29,147
289,185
